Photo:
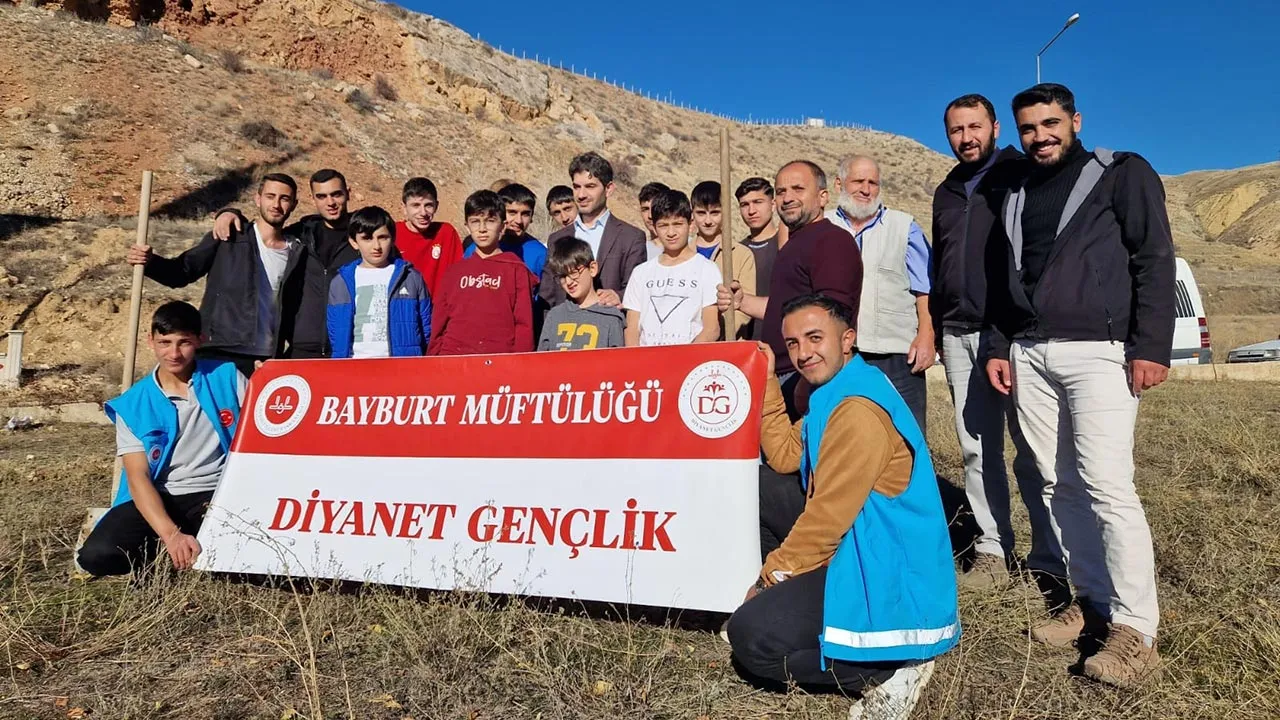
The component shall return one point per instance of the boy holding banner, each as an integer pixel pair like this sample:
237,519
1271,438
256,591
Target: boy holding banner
861,595
173,431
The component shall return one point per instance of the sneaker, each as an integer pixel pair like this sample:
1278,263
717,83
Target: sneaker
895,698
1061,629
1125,659
987,572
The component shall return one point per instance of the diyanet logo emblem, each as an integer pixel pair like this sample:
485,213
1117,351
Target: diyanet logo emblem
281,405
715,399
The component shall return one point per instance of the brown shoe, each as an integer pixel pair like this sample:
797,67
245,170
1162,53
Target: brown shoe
987,572
1062,629
1125,660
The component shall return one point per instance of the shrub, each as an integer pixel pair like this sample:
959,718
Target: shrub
231,61
262,133
626,170
359,100
146,33
322,73
383,88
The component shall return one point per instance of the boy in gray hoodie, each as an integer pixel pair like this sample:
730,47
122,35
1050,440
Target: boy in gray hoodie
580,322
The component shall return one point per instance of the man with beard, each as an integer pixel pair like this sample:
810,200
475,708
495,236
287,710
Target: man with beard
247,276
324,238
1087,281
817,259
965,208
895,332
618,247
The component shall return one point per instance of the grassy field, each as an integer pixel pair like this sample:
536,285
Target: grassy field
195,646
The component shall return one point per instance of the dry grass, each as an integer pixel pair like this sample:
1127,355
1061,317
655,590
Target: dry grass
230,60
198,646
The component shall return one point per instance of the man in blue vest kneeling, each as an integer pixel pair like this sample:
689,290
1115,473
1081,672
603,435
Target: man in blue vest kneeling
173,431
861,595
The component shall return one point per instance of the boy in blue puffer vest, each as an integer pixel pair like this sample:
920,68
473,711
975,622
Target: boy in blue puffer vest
378,306
173,431
861,595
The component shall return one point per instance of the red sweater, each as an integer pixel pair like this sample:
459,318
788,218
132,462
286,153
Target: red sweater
430,254
483,306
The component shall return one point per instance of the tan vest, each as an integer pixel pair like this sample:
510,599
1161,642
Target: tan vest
887,320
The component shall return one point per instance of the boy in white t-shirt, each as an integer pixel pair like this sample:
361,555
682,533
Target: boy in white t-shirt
378,307
671,299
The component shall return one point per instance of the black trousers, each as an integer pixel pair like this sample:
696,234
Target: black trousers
911,386
781,502
774,637
244,363
123,540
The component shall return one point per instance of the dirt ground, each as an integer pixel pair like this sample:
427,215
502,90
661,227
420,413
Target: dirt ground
199,646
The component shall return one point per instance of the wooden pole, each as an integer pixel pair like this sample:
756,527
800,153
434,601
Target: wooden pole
727,211
135,293
135,308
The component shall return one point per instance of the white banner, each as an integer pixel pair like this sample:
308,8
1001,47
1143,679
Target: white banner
499,474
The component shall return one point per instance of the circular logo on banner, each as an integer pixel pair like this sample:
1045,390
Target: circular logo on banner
226,418
715,399
155,454
281,405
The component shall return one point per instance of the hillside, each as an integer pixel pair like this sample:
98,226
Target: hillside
210,93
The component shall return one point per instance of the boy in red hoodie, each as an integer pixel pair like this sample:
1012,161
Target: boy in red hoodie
484,303
431,247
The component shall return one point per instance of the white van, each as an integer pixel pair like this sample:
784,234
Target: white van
1190,330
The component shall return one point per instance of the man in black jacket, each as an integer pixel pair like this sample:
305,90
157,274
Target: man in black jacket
1087,277
965,207
324,240
249,278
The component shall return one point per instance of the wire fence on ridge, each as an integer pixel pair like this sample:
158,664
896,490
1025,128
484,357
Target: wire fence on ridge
669,97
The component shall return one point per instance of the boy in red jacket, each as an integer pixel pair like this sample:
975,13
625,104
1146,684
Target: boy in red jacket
431,247
484,303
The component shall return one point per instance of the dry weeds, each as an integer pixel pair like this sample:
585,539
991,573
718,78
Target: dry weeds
190,646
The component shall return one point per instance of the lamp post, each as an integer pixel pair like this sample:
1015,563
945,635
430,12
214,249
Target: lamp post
1070,21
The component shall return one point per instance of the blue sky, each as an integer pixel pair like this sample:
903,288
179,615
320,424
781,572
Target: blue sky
1190,85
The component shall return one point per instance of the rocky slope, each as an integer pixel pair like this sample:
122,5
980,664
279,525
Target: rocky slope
210,93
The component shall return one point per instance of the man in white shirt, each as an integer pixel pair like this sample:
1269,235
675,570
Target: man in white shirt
895,330
618,247
247,276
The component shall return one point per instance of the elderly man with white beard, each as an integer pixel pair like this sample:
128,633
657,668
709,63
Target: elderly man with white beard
895,331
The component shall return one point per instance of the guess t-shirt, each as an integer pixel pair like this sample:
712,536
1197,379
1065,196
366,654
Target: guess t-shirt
670,298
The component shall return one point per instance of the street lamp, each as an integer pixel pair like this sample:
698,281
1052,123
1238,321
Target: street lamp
1070,21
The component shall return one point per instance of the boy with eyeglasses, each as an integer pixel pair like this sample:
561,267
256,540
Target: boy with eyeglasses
580,322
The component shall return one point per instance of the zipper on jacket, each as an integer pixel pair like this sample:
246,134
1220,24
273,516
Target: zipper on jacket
1097,276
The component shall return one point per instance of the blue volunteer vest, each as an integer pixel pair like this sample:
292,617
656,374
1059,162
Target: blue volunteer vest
154,420
891,586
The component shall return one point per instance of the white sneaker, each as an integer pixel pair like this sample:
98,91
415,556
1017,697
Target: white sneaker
895,698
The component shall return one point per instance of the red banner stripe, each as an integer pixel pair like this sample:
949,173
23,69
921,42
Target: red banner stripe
681,402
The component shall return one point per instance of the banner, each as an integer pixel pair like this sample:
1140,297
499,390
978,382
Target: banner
624,475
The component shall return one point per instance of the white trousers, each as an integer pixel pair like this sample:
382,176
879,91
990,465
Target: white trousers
1077,413
981,412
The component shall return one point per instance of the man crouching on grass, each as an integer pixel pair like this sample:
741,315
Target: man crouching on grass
861,595
173,431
